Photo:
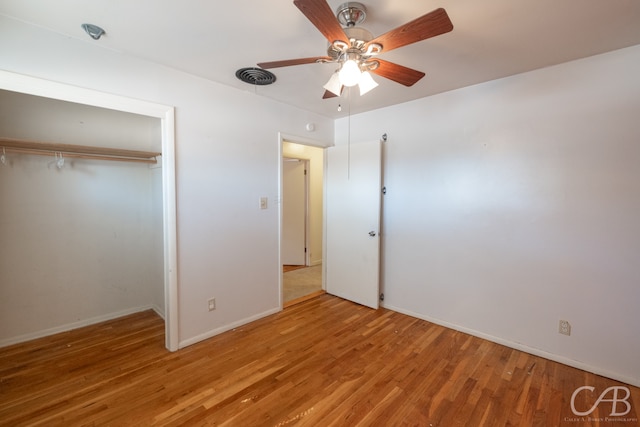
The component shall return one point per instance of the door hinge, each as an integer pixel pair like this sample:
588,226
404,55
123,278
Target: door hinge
305,171
381,297
305,250
384,190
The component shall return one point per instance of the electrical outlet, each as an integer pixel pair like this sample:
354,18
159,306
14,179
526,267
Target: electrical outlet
212,304
564,327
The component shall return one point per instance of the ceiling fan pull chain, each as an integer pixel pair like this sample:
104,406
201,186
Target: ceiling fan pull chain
348,133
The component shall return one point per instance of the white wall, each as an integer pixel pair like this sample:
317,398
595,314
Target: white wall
51,120
315,155
227,156
515,203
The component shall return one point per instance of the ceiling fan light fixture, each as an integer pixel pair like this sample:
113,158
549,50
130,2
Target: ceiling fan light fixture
353,48
350,73
366,83
333,85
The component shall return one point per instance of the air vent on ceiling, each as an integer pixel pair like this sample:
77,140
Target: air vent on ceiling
255,76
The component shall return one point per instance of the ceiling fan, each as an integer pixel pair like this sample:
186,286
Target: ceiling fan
356,50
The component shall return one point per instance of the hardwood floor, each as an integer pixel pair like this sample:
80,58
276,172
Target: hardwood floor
303,298
322,362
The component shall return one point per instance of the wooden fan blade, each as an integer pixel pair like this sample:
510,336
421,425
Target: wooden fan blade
328,94
398,73
289,62
430,25
321,16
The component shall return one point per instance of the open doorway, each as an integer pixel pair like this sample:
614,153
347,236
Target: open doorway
301,249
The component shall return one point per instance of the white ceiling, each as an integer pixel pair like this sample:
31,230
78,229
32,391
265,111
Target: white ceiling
212,39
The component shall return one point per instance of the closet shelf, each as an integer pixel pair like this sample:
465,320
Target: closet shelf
77,151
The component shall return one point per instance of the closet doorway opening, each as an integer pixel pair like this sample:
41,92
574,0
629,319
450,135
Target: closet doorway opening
301,221
97,287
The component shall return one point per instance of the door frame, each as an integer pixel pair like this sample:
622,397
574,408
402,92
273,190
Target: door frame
282,138
65,92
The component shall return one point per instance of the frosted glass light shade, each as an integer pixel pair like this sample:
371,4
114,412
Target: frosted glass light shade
333,85
366,83
349,73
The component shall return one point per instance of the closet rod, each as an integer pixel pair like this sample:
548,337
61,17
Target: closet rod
81,156
78,151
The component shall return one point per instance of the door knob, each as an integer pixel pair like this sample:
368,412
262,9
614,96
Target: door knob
372,233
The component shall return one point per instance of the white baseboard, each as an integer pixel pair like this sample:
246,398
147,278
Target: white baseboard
518,346
158,310
79,324
226,328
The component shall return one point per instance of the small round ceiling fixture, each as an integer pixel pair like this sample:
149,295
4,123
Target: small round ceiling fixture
256,76
93,30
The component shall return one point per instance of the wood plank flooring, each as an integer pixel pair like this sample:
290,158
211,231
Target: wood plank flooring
322,362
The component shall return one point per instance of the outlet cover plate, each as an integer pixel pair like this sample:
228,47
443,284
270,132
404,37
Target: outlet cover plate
564,327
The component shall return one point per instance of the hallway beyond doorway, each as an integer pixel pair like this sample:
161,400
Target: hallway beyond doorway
301,281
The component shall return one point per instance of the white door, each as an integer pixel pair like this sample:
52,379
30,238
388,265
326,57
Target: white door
293,212
353,198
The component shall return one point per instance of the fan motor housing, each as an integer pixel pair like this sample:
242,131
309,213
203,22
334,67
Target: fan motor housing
358,38
358,34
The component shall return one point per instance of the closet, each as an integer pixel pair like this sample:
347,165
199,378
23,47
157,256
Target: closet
81,236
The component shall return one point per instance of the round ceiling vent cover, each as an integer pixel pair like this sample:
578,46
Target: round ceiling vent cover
255,76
